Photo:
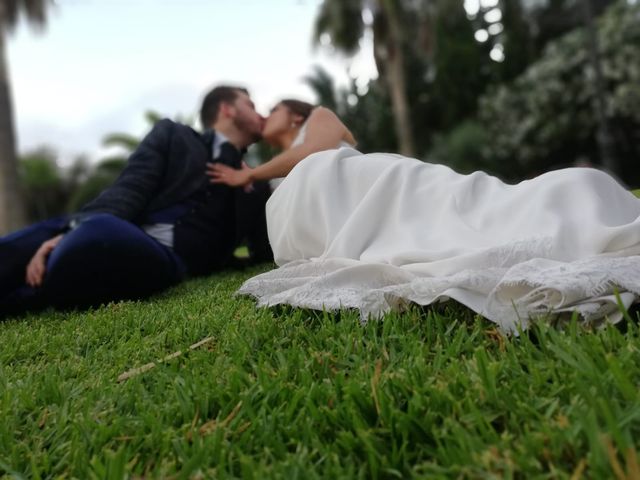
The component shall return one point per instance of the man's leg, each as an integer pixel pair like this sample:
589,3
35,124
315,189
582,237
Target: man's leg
104,259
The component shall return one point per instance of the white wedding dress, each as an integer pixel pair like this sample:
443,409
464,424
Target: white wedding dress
376,232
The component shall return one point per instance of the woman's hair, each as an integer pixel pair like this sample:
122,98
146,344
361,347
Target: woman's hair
298,107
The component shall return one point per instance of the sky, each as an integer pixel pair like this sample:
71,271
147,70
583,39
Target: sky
100,64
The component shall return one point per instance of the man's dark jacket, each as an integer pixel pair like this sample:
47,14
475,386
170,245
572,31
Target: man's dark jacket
168,169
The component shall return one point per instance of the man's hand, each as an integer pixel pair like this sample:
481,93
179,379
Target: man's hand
220,173
37,265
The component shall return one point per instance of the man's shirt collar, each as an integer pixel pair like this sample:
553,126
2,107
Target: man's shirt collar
217,143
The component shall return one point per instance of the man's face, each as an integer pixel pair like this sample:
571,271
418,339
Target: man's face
246,118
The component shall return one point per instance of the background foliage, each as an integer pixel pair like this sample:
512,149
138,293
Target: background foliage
525,111
544,119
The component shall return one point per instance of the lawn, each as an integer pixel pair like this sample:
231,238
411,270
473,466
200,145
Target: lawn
432,393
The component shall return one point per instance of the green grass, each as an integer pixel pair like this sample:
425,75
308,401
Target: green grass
432,393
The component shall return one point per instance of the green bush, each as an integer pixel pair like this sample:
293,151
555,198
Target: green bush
463,148
546,117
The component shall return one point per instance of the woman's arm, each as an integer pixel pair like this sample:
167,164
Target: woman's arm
324,131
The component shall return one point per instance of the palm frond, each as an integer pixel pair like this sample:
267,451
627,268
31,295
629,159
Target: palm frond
125,140
322,84
152,117
342,21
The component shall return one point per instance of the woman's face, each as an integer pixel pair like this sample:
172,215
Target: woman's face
278,123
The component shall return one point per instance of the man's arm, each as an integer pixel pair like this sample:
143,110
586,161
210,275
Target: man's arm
140,179
37,266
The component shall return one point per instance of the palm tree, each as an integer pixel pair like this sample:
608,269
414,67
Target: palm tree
12,208
322,84
343,22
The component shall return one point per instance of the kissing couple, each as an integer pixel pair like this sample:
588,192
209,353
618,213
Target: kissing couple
374,232
161,221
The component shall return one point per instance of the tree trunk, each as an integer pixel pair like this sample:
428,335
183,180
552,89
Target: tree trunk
12,211
394,75
603,134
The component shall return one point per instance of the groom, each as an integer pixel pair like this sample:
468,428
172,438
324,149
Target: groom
159,221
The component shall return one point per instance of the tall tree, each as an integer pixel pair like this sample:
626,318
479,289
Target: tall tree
12,208
344,24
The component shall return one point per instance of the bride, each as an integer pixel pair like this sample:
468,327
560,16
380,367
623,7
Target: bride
379,231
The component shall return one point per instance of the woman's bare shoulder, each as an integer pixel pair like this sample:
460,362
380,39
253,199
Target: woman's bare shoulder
322,118
320,114
323,121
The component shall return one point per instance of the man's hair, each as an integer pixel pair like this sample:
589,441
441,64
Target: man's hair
213,99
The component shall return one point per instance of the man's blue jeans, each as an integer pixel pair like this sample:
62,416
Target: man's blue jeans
103,259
